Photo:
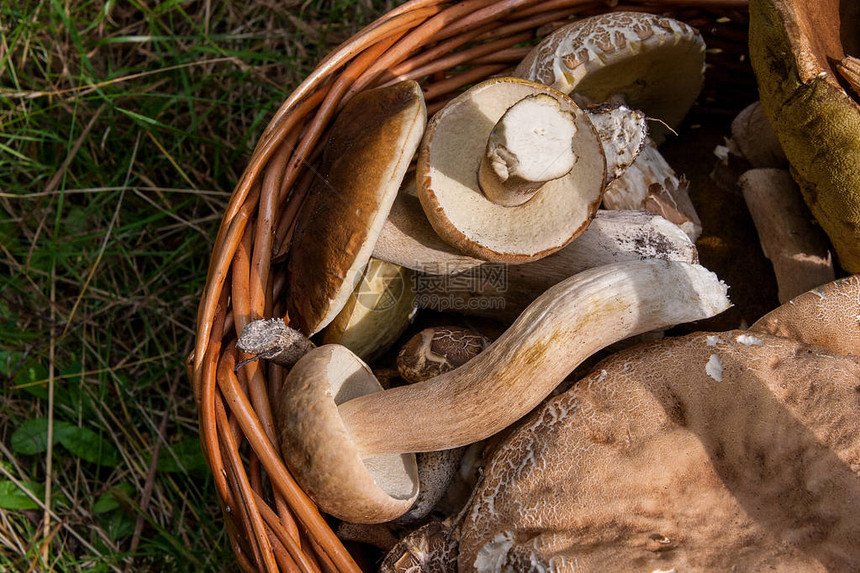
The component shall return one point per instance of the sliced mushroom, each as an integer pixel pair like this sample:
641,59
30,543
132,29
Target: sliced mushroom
377,313
796,49
332,412
365,159
467,133
710,452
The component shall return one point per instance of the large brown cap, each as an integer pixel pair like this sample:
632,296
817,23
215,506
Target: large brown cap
452,155
827,316
365,159
650,62
710,452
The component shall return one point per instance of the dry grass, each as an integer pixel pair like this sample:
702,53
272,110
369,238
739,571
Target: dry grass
123,128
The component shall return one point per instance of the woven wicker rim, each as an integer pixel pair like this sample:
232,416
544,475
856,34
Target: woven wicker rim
272,524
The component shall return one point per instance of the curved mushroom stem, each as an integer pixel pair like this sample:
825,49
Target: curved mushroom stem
529,145
563,327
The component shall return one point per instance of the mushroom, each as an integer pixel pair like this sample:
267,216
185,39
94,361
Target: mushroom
797,249
432,548
437,350
826,316
647,62
801,53
349,443
754,139
431,352
709,452
623,133
652,185
272,339
370,146
510,171
377,312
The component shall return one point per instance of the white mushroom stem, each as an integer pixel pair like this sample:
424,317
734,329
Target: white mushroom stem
502,293
796,249
755,140
849,68
408,240
529,145
555,334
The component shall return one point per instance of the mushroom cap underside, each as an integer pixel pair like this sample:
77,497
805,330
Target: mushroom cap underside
319,451
447,179
652,62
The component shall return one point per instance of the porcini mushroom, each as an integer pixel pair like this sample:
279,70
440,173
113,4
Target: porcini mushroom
478,158
826,316
371,144
796,49
646,61
709,452
438,349
346,441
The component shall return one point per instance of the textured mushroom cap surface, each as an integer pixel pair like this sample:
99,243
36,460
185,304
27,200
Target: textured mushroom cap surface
365,159
792,47
319,451
447,179
827,316
437,350
653,62
710,452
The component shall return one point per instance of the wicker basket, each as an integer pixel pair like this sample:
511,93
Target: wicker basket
272,524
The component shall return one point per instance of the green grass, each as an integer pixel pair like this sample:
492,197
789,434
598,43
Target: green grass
123,128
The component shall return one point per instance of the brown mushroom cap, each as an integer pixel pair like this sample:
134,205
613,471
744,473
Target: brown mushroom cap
366,157
449,160
649,62
437,350
827,316
711,452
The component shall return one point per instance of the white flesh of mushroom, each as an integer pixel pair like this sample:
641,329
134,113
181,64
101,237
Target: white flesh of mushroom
532,143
